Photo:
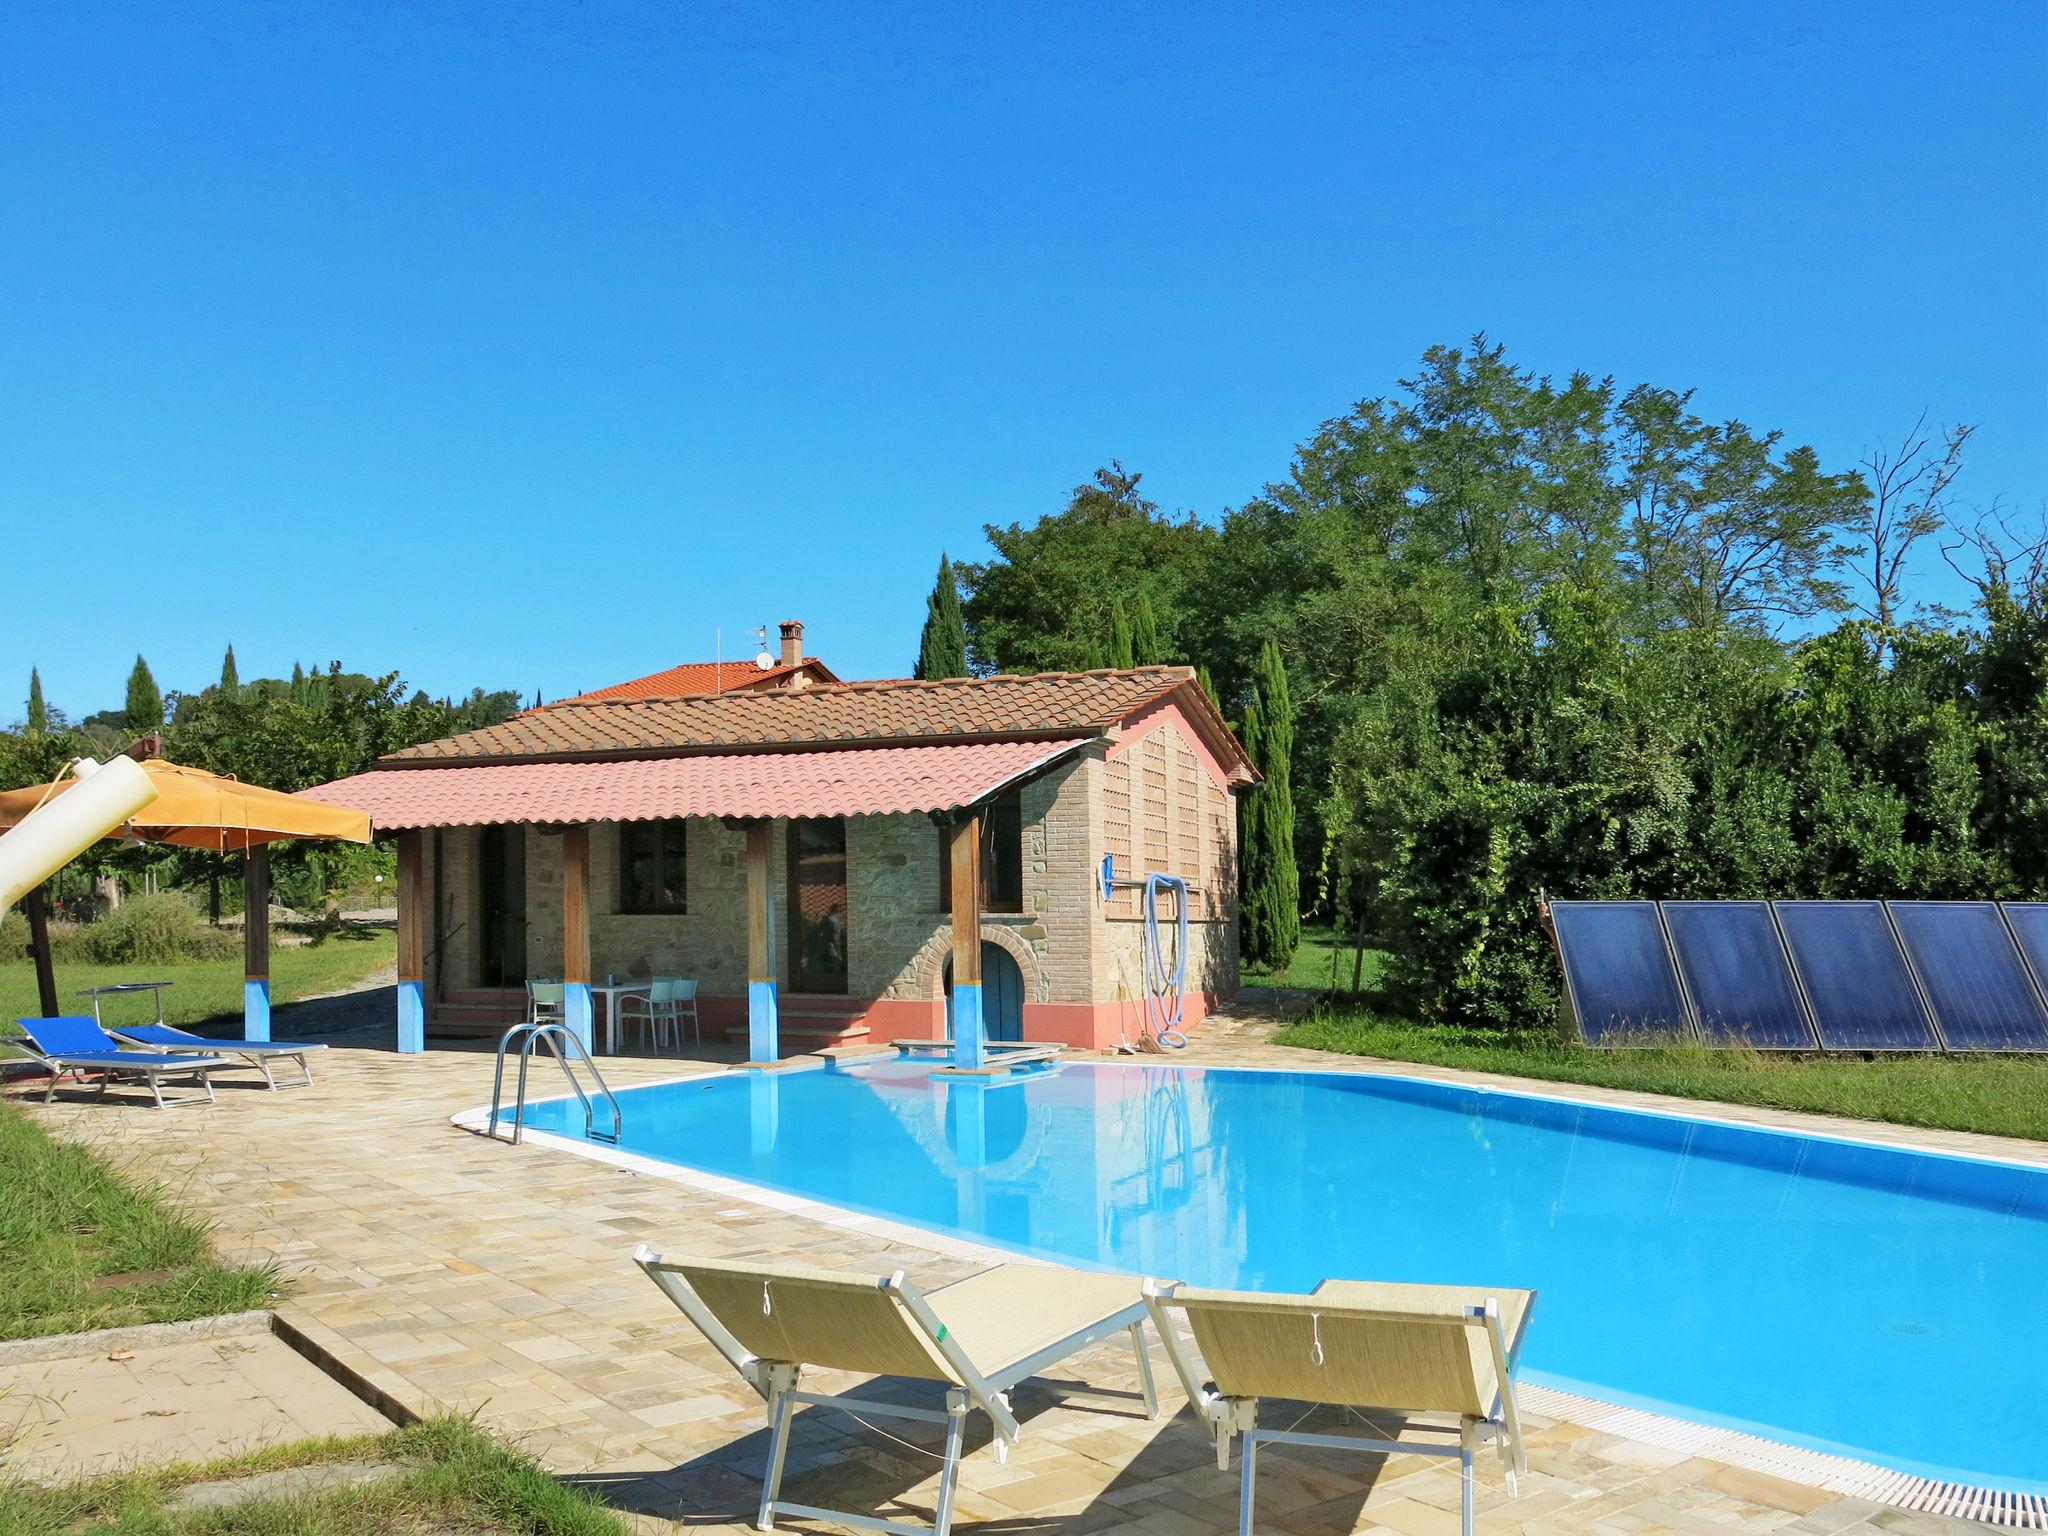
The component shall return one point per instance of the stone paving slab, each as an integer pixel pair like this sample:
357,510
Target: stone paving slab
461,1274
192,1399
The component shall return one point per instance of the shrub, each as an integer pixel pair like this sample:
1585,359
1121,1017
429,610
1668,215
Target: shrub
148,930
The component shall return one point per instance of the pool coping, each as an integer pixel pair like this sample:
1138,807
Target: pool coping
1832,1472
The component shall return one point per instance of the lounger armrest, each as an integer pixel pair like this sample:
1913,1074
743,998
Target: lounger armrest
752,1368
1202,1396
1512,1454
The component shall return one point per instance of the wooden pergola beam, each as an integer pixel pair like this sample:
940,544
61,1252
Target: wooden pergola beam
413,903
764,1045
965,857
577,1010
255,942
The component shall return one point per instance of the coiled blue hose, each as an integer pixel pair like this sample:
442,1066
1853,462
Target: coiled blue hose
1166,991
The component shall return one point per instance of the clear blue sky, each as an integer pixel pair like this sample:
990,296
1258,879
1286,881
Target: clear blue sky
525,346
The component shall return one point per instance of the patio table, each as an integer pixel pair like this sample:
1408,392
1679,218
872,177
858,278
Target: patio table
121,989
611,992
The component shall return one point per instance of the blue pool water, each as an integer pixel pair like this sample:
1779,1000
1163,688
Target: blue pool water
1887,1305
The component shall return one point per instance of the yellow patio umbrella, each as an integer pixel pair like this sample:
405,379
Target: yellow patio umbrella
197,809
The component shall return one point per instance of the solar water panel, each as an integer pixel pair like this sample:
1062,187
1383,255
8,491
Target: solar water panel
2029,923
1618,973
1855,976
1736,972
1972,975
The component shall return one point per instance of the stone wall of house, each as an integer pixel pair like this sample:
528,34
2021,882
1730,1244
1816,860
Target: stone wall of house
1049,939
707,943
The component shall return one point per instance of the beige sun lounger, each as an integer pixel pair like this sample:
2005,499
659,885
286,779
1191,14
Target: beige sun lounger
1415,1350
979,1337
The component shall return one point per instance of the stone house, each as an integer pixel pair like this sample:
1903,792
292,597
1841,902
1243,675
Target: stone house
822,860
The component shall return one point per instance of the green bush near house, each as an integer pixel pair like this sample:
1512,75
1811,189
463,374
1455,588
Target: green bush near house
447,1475
83,1247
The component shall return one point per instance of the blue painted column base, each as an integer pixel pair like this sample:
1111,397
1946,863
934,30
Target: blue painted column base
764,1028
412,1017
256,1008
578,1013
967,1036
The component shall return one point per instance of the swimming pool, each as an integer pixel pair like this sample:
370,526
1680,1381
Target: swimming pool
1876,1303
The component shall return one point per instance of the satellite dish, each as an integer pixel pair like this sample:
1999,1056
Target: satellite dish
765,662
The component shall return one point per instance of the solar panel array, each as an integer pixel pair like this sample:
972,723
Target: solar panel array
1808,975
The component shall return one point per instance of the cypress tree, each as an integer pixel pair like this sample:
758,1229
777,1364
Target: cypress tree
38,711
1209,687
145,709
230,678
1252,926
1146,649
942,649
1272,881
1120,649
298,686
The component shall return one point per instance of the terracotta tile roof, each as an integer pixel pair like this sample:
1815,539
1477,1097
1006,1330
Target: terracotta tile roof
896,712
701,677
867,781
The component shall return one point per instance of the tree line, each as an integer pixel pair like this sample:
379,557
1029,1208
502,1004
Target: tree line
1524,636
284,733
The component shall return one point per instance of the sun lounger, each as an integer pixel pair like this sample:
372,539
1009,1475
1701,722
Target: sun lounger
257,1053
1408,1350
978,1337
77,1044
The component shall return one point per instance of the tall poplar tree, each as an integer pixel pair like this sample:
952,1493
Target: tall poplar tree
1121,652
145,708
942,649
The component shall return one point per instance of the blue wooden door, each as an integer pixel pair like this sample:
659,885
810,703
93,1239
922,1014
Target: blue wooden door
1002,995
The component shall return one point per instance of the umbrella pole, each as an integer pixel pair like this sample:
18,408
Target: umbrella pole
37,912
256,943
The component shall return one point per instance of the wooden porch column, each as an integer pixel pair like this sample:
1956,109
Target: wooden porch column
764,1044
37,911
414,901
965,857
576,1004
256,942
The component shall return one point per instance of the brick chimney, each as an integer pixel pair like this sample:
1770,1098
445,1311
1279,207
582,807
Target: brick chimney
792,642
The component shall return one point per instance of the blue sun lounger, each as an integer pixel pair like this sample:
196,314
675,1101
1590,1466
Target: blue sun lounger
256,1053
77,1044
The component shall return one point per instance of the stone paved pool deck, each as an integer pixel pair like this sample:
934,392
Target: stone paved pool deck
455,1273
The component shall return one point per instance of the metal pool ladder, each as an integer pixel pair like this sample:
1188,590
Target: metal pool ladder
553,1034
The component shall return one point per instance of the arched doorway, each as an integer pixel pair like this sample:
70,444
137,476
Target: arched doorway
1002,994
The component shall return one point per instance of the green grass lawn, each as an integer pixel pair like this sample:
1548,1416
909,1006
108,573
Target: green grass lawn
2005,1097
449,1476
81,1247
1321,964
205,989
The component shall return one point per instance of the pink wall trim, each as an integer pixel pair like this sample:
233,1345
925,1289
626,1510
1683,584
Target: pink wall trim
1162,712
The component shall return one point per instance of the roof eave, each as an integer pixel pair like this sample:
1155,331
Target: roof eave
1090,730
